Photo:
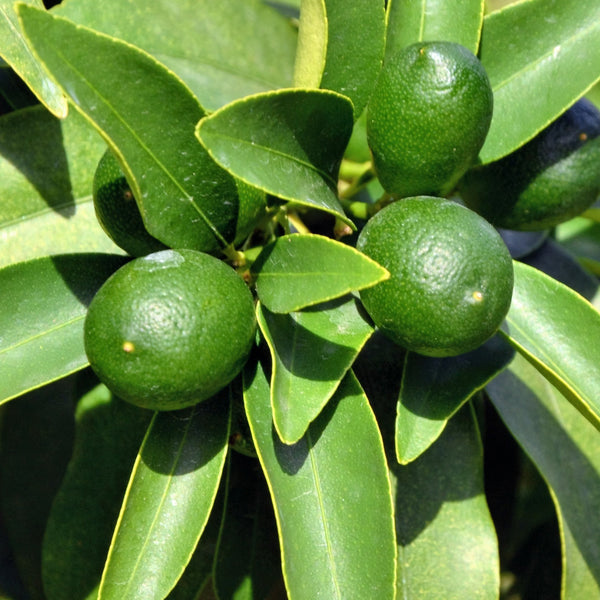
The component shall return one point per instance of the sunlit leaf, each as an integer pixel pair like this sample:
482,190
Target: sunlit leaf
567,51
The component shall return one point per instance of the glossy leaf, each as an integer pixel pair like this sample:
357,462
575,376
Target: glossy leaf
566,450
410,22
201,41
568,52
297,271
43,329
247,565
311,351
16,52
148,116
46,171
168,501
107,436
328,54
447,545
288,143
433,389
556,330
311,53
331,497
36,443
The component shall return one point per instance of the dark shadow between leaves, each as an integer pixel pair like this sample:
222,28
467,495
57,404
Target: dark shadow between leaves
182,441
41,158
559,459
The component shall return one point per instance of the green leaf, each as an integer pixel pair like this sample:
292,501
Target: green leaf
288,143
45,302
556,330
433,389
331,497
311,352
566,450
311,53
301,270
564,58
107,436
410,22
247,562
134,102
16,52
447,545
168,501
36,445
328,53
201,41
46,171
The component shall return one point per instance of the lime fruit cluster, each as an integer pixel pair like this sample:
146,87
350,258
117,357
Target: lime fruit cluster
428,117
170,329
549,180
117,211
451,276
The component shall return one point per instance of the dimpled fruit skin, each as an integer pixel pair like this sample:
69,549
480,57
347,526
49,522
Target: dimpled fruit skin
117,211
170,329
428,118
451,276
549,180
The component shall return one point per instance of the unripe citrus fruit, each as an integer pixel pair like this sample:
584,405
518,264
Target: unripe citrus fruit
170,329
428,118
551,179
451,276
117,210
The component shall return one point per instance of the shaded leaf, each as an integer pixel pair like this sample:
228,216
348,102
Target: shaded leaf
36,445
46,171
556,329
566,450
148,116
433,389
410,22
311,351
447,545
288,143
247,562
297,271
328,55
16,52
201,41
45,304
107,436
168,500
563,58
331,498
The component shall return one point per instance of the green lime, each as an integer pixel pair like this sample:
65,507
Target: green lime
428,118
549,180
451,276
117,210
170,329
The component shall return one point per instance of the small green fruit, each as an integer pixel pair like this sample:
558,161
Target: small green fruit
117,211
170,329
451,276
549,180
428,118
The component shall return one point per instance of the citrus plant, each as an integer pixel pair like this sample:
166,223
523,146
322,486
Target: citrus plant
299,300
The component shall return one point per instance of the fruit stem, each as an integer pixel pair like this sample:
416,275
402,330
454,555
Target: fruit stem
362,175
234,257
